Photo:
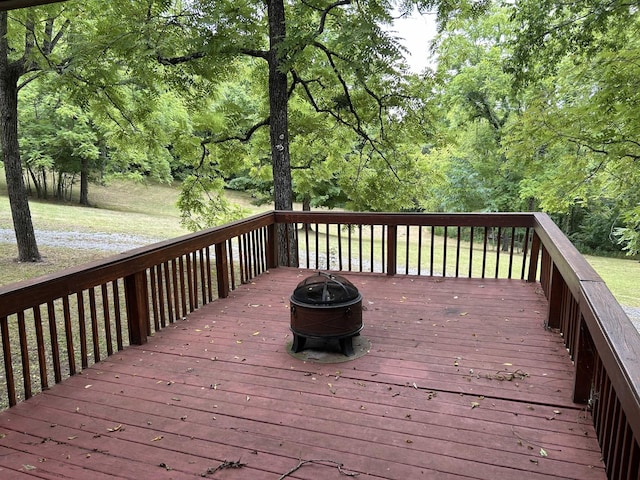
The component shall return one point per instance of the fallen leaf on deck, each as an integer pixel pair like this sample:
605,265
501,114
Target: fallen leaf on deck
543,452
155,439
28,467
474,405
88,386
462,314
256,333
117,428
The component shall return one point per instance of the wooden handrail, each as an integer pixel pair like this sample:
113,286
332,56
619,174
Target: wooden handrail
603,343
21,295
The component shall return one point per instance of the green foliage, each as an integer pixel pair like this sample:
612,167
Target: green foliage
202,204
577,138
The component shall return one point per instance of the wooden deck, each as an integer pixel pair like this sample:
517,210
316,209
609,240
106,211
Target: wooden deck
462,381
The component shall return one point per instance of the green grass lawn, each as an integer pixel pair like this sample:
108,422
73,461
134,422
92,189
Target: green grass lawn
149,211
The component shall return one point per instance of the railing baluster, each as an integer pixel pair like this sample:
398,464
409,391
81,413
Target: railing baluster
484,251
349,247
82,328
68,332
209,281
360,246
458,240
372,243
203,277
94,325
115,290
182,288
512,251
228,248
533,255
187,268
419,249
107,319
175,288
433,246
327,249
8,362
156,306
498,244
24,355
444,251
338,225
55,347
471,252
195,283
407,248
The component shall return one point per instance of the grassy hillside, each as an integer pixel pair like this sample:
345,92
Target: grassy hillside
149,213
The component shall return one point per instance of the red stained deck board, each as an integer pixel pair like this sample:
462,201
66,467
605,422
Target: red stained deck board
430,400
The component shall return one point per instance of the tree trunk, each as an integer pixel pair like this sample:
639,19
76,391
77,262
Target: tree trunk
279,131
84,182
20,212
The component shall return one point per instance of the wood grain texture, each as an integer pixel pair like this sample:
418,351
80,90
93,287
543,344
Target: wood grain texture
462,381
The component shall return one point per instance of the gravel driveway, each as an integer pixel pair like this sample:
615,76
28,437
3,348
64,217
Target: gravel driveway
107,242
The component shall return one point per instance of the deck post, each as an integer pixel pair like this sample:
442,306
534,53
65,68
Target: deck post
392,249
584,364
533,257
556,289
272,246
136,296
222,269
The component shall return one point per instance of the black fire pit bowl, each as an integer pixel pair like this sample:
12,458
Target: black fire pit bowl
326,306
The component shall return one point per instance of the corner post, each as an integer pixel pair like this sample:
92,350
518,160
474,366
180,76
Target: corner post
272,246
556,292
533,258
136,296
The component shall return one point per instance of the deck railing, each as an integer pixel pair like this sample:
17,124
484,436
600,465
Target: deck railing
55,325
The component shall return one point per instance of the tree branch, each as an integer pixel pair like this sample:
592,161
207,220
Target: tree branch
246,136
356,128
255,53
172,61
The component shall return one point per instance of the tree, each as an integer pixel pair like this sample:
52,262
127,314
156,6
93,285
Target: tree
59,141
579,134
333,55
35,40
476,102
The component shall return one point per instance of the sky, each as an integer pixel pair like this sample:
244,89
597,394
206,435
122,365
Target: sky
416,33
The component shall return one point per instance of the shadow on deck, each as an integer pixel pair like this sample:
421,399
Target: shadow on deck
461,381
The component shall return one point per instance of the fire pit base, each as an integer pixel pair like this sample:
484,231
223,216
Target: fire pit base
323,350
345,342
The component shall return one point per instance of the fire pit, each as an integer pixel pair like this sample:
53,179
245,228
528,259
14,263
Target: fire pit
327,307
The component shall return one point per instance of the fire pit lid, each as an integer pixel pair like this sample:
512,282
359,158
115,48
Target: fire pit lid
325,289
